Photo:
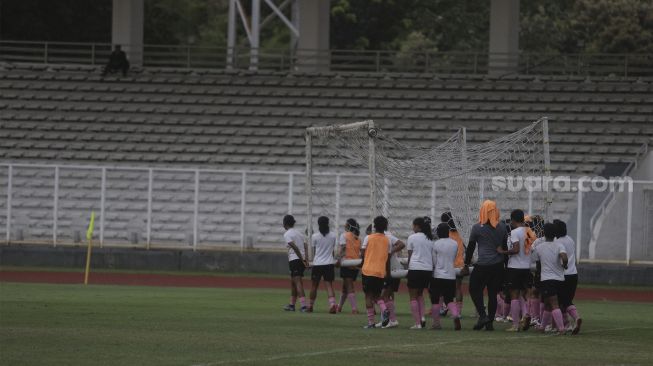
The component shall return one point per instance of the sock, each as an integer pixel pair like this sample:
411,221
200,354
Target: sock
293,300
420,305
381,305
499,305
370,315
515,308
573,312
541,310
435,314
391,309
302,300
546,319
524,307
506,309
535,307
343,297
332,300
557,318
414,310
453,307
352,301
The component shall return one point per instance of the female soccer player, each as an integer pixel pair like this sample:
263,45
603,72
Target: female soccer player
350,248
518,273
460,257
297,262
535,223
323,244
391,285
420,266
443,281
375,253
568,290
551,260
489,235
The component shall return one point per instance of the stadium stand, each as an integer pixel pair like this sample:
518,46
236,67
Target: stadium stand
254,121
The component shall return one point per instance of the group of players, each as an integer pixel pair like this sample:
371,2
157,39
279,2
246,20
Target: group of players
527,268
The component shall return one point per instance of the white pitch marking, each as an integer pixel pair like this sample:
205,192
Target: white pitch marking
407,345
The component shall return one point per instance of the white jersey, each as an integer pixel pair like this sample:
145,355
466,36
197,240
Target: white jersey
570,247
444,256
520,260
342,241
323,248
294,236
393,240
421,258
548,253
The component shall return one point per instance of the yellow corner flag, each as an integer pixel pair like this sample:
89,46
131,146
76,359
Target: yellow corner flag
89,239
91,226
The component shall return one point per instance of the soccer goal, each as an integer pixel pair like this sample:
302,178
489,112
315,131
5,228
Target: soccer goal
359,170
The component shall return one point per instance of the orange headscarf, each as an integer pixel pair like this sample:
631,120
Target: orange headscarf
459,262
489,212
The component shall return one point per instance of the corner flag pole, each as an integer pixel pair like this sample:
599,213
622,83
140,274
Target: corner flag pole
89,239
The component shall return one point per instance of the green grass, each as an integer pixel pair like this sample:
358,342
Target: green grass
120,325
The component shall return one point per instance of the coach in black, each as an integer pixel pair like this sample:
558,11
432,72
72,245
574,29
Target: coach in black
489,234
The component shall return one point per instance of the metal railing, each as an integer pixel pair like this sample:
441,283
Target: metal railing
51,204
609,198
200,57
145,191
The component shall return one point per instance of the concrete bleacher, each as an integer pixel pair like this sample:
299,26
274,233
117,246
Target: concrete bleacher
211,119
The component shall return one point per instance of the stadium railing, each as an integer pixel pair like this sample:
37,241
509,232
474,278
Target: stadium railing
201,57
205,209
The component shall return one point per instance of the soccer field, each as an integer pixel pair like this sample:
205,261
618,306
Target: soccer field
130,325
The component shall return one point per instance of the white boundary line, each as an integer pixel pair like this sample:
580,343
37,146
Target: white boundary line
389,346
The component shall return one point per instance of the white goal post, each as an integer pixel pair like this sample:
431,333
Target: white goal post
405,181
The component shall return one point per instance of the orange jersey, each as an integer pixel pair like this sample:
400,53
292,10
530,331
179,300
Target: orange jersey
460,255
352,246
376,255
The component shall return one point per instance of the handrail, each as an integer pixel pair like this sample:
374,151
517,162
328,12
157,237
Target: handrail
642,151
463,62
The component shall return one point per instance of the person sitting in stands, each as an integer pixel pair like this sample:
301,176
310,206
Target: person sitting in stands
117,62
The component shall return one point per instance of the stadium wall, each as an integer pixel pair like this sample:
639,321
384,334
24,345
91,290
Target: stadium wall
236,262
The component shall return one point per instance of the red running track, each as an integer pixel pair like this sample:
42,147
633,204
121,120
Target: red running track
148,279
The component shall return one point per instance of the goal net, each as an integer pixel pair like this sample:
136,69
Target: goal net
358,170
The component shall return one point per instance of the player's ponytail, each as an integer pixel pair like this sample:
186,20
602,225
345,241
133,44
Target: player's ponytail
353,227
323,225
424,225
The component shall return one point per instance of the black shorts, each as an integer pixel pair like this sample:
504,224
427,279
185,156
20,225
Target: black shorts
567,291
326,271
442,287
372,285
392,283
296,268
537,283
550,288
349,272
519,279
419,279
